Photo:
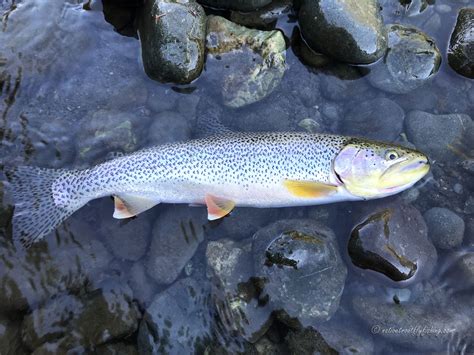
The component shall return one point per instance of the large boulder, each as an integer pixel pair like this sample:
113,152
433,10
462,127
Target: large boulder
347,30
172,35
461,45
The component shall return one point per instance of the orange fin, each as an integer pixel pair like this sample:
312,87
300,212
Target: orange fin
128,205
218,207
309,189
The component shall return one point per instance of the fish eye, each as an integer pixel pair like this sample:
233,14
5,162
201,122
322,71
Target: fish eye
391,155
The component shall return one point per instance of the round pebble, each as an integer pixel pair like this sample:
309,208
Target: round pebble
445,228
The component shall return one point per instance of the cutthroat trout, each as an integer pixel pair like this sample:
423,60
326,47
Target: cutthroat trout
221,172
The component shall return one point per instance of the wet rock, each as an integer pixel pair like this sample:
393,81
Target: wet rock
104,315
264,18
176,235
303,271
236,293
347,30
442,137
461,45
172,36
239,5
168,127
178,321
256,60
445,228
346,337
244,222
411,325
341,82
127,239
412,60
106,131
117,349
308,341
50,267
379,118
305,53
10,337
393,240
464,269
143,286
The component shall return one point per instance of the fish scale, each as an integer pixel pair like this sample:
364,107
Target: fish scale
234,169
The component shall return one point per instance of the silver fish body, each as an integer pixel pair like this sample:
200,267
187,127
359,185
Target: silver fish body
246,169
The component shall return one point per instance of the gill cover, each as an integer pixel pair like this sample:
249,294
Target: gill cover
373,169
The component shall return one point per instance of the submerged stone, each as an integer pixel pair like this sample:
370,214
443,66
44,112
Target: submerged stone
303,271
441,137
172,35
393,241
348,30
257,60
461,45
236,292
264,18
446,228
411,325
412,59
178,320
239,5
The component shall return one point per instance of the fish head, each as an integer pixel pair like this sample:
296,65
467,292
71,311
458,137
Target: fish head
369,169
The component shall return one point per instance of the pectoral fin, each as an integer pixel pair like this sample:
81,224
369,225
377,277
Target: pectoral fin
218,207
129,205
309,189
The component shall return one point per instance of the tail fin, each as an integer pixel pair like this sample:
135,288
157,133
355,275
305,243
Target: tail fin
36,214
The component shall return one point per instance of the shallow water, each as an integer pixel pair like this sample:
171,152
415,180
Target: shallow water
68,79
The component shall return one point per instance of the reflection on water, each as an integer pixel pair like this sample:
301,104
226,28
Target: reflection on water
73,92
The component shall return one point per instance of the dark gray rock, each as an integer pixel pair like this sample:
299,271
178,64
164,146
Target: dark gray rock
380,119
347,30
307,341
177,232
303,271
172,36
127,239
346,337
178,320
445,228
306,54
412,60
99,317
106,131
461,45
414,326
256,60
168,127
60,264
117,349
10,337
264,18
142,285
244,222
393,240
464,271
442,137
236,293
239,5
341,82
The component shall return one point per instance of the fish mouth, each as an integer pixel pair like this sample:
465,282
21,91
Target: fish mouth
404,173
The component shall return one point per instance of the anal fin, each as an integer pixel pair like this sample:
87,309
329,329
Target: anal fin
130,204
309,189
218,207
